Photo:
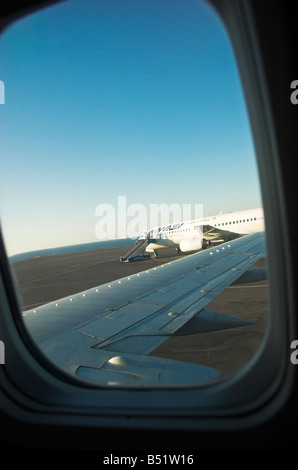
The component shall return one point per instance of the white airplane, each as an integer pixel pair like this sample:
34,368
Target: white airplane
196,234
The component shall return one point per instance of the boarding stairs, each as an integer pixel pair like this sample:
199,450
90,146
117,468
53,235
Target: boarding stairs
137,249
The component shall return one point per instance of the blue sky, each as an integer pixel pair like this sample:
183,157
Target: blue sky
113,98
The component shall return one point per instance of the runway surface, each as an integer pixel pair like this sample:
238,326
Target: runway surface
44,279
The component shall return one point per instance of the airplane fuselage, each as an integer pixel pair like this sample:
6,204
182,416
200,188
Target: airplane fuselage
190,235
242,222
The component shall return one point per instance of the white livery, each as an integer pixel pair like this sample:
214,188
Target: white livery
196,234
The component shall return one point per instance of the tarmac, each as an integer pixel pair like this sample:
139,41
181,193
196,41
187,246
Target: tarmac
44,279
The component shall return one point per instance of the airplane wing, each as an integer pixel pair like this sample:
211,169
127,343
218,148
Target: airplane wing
104,334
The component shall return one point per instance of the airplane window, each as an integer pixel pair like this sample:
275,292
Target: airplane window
113,114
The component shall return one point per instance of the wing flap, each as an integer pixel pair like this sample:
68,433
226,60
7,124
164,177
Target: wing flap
146,371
